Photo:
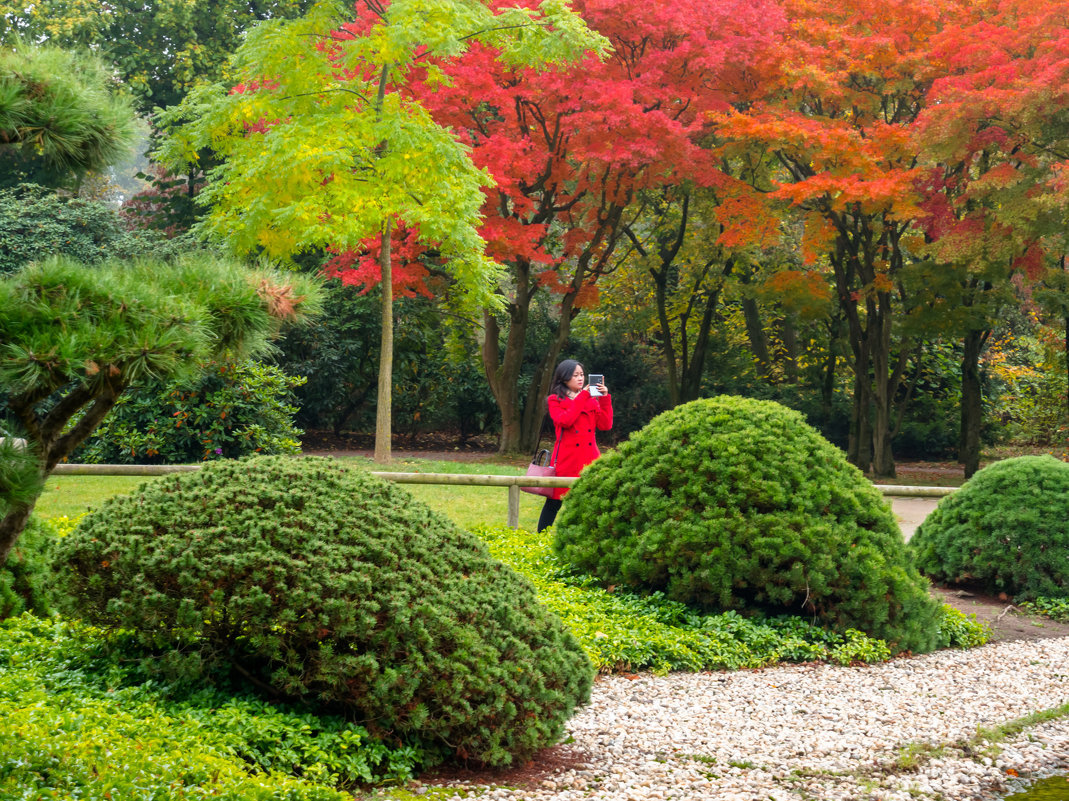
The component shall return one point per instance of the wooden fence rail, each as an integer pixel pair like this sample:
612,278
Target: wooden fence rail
513,483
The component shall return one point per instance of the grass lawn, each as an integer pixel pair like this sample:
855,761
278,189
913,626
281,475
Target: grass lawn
466,506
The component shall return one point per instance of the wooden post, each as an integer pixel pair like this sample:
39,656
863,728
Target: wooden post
514,506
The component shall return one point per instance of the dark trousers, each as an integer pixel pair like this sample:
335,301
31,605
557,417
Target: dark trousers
549,513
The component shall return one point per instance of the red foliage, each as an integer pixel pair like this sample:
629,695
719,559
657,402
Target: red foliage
569,147
362,268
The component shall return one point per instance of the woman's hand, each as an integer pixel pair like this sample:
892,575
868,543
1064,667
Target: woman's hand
602,388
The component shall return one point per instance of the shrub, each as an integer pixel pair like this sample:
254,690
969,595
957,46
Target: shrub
1004,530
37,222
25,580
232,410
729,503
326,583
959,630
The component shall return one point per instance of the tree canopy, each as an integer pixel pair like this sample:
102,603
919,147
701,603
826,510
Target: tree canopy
61,115
161,49
321,145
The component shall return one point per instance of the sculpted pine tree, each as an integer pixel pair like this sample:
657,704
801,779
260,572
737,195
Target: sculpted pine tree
74,338
324,147
60,116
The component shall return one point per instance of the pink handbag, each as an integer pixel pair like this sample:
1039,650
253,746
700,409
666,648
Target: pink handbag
540,466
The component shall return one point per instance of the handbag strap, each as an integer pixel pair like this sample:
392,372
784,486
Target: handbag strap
541,433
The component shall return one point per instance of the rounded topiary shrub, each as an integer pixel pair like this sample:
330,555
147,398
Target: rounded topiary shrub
1005,530
730,503
327,584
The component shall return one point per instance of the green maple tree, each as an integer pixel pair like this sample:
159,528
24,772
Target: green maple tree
322,147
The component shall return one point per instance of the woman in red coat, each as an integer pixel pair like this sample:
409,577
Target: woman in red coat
576,413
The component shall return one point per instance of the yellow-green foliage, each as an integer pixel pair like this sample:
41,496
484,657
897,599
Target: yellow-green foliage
1006,529
331,585
736,504
62,738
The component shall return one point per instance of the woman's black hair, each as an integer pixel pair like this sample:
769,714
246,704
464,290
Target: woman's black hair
561,376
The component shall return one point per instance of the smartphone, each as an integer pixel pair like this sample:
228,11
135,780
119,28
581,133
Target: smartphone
595,379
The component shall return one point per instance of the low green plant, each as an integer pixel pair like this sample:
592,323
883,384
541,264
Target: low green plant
1003,531
732,503
1054,608
79,719
623,631
229,411
331,586
959,630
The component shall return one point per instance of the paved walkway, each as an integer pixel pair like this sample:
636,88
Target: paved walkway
911,512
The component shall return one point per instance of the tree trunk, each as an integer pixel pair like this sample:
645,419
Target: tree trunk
755,331
827,389
502,369
971,402
660,279
883,387
859,447
384,407
790,348
692,376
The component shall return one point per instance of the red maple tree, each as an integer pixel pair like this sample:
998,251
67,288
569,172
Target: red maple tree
570,148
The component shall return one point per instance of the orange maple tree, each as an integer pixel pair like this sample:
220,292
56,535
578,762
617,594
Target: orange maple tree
845,91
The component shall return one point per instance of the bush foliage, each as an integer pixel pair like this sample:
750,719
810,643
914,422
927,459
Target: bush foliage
1004,530
25,578
231,410
728,503
36,222
326,583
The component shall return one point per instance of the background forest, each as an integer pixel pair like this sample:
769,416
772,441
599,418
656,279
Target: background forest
857,210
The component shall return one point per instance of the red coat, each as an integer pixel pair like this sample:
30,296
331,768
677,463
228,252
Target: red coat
575,420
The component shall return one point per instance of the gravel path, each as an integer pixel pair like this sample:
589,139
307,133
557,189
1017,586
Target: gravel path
906,729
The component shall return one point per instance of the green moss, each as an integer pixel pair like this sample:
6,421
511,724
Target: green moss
327,584
735,504
1005,530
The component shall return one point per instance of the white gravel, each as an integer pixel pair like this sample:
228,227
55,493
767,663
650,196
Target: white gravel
820,732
